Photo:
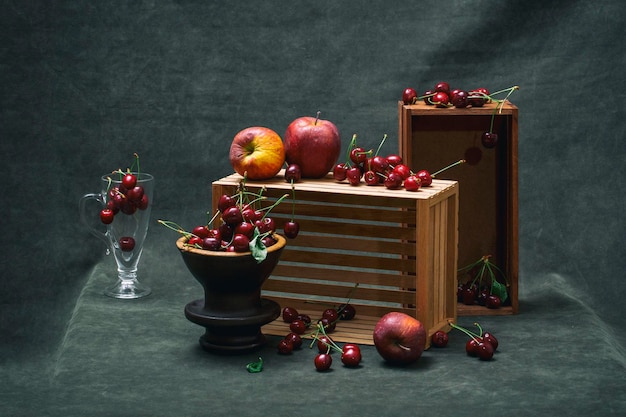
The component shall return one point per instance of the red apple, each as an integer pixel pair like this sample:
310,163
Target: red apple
399,338
257,151
313,144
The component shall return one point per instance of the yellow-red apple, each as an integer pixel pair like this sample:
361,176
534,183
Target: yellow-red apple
313,144
257,151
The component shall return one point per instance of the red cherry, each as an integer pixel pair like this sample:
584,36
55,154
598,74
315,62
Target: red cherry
428,97
394,159
403,170
413,183
241,243
266,225
225,202
323,362
339,172
232,216
441,99
201,231
291,229
143,203
439,339
378,164
127,243
488,337
293,173
194,240
409,96
351,357
425,177
393,181
371,178
285,347
331,314
129,181
358,155
329,326
493,302
346,311
471,347
295,339
476,97
289,314
484,350
460,99
354,176
442,87
489,139
136,193
324,344
297,326
211,243
246,229
106,216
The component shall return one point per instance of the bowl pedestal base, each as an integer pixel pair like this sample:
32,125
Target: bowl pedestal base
232,333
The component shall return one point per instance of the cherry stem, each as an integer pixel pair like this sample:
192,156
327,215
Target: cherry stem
425,96
351,146
137,162
293,200
380,145
175,227
210,223
467,332
461,161
277,202
331,342
480,329
317,117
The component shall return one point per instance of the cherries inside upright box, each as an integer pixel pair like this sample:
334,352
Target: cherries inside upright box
431,137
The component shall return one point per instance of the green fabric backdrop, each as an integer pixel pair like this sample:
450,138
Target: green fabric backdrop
87,84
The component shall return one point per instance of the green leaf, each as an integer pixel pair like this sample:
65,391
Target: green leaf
254,367
499,289
258,249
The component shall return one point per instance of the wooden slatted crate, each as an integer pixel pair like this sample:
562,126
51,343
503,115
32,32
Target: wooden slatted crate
431,138
389,250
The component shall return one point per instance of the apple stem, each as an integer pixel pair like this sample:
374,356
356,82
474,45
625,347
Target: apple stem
400,345
461,161
317,117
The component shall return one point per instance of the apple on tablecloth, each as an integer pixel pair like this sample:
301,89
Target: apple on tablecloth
399,338
258,152
313,144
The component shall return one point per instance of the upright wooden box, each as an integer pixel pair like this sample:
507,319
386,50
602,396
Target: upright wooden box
431,138
400,248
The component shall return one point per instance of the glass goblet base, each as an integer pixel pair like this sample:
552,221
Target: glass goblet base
127,289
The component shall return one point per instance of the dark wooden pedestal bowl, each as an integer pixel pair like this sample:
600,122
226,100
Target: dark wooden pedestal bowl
232,311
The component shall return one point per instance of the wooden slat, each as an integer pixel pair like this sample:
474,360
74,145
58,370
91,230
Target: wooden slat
346,212
358,245
342,275
358,230
348,260
327,290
